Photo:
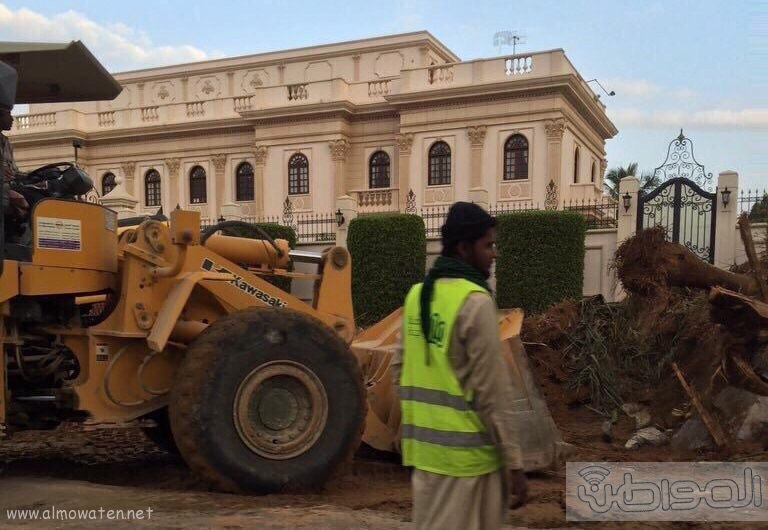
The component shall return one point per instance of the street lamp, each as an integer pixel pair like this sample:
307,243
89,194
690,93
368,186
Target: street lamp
221,218
627,198
339,217
77,144
726,196
611,93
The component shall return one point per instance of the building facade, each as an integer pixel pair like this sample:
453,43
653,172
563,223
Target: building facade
374,119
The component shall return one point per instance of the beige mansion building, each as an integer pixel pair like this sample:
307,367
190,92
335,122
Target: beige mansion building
372,119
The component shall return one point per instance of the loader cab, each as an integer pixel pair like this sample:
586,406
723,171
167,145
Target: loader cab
52,73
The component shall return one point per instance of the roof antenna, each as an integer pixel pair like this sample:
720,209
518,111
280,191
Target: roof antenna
509,38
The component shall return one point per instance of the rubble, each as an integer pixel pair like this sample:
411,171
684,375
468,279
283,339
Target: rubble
683,358
639,413
647,435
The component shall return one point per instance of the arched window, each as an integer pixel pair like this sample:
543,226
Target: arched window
152,195
378,170
107,183
594,171
516,158
576,166
298,175
439,164
244,182
198,192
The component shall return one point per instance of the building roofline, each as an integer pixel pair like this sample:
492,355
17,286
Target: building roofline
315,51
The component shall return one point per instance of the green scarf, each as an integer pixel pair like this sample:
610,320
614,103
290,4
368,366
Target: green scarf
446,267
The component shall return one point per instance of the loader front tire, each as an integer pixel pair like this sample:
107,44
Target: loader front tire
267,399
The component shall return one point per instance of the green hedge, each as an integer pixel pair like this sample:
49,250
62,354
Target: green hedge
540,258
275,231
389,255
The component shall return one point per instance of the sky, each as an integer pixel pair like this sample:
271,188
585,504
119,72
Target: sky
700,66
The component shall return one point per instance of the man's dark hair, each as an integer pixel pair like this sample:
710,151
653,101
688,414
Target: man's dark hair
465,222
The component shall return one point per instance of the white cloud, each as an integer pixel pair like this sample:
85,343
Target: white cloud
683,93
714,118
640,88
117,46
632,87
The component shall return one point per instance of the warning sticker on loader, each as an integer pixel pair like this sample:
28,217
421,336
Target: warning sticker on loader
102,352
58,234
110,220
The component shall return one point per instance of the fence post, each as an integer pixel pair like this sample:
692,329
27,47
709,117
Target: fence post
347,206
627,217
120,200
480,197
232,211
727,217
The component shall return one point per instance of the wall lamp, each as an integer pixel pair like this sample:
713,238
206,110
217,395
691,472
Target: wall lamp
627,198
339,217
611,93
726,196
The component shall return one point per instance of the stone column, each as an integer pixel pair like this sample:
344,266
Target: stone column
627,223
348,207
129,170
356,67
726,236
627,218
404,144
260,152
119,200
173,165
476,139
555,130
480,197
219,164
339,151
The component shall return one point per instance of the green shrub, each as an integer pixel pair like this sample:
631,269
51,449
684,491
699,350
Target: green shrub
540,258
389,254
275,231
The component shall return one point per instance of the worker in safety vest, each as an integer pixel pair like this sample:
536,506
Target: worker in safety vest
458,430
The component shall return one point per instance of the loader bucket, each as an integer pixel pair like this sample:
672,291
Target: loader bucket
540,440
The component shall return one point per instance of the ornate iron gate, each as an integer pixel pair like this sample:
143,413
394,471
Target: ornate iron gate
683,206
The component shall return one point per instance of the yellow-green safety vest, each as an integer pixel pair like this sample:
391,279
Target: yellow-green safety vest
440,431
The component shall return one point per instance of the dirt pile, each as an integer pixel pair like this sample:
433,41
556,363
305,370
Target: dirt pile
602,357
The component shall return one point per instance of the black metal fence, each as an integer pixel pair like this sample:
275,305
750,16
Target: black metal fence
755,203
321,227
309,227
433,217
600,213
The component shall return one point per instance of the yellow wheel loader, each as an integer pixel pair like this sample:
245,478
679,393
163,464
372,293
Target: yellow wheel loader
177,330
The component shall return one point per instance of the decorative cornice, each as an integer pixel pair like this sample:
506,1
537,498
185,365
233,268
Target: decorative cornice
260,152
555,128
129,168
339,149
476,135
404,142
219,162
173,165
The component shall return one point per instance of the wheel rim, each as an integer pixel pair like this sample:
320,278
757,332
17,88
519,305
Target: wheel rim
280,409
